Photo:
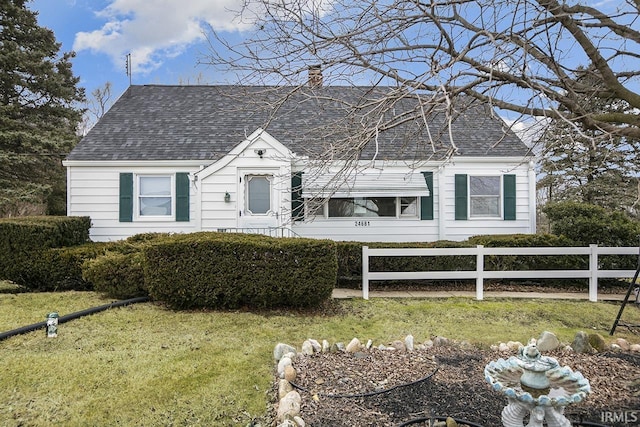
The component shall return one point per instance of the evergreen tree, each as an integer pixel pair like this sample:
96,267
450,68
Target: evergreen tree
590,166
38,113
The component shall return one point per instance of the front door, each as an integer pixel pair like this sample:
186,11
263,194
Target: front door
259,206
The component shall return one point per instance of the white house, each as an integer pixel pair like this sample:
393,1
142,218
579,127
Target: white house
320,162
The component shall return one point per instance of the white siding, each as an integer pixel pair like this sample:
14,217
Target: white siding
223,177
443,226
93,191
463,229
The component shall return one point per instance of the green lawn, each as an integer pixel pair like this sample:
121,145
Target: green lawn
146,365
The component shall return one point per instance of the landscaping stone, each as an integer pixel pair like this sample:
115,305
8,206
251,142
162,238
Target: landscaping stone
317,348
284,387
307,348
326,347
440,341
289,406
548,341
623,344
597,342
281,349
581,344
354,346
408,342
285,361
290,373
398,345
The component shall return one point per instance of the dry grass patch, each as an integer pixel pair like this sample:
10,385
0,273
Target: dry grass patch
146,365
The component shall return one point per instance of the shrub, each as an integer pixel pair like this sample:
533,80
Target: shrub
116,275
588,224
350,260
529,262
222,270
23,242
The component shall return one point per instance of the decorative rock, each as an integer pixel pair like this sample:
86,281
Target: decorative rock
289,405
514,345
548,341
597,342
284,387
337,347
317,348
408,342
281,349
428,344
307,348
451,422
299,422
503,347
635,348
615,347
325,346
440,341
285,361
624,344
369,344
398,345
581,343
290,373
354,346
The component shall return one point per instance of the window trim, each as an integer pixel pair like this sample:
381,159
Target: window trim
137,216
499,197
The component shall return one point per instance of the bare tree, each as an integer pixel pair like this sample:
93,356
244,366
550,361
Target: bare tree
524,57
96,107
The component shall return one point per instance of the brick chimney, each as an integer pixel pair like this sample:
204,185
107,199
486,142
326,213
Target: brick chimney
315,76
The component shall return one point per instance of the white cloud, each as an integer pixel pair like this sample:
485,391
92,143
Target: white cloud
154,30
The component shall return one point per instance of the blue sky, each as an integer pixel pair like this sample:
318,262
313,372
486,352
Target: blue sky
165,38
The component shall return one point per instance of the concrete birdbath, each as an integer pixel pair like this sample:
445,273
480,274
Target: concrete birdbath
536,386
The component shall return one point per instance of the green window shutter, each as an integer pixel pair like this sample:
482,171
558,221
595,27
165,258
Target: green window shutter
509,184
126,197
182,196
461,196
297,202
426,202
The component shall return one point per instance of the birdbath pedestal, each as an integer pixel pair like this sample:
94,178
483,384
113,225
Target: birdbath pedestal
535,386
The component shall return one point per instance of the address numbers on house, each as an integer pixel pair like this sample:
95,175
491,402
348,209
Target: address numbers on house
363,223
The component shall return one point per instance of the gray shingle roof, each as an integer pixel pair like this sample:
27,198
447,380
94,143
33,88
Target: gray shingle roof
205,122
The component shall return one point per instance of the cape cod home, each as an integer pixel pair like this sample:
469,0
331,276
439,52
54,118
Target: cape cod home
322,162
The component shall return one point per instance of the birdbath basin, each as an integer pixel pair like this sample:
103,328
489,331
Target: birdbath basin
535,386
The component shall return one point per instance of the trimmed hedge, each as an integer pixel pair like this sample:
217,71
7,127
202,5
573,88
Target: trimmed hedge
529,262
350,260
24,240
117,275
222,270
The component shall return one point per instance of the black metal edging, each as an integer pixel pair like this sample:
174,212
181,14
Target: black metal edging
72,316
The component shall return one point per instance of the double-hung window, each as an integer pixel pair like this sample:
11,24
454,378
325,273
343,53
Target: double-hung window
484,196
155,196
163,197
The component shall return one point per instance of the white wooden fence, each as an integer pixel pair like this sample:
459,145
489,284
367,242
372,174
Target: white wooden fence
480,274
